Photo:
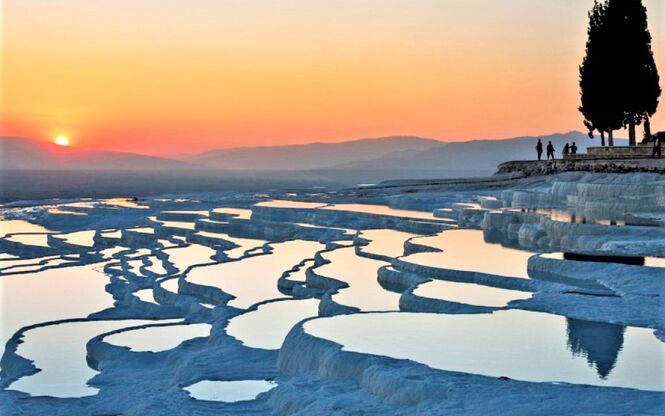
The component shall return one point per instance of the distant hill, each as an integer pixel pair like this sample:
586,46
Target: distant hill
396,156
482,155
25,154
313,155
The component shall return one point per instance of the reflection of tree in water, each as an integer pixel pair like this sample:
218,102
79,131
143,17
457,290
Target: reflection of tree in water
598,342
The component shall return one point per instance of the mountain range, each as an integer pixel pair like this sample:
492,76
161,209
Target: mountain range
396,153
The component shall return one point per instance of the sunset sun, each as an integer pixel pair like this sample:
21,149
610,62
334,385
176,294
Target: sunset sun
61,141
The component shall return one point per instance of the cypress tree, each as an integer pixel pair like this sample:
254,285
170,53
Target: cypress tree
638,88
600,107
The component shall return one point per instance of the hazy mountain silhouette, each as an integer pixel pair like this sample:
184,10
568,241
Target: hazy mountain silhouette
394,154
476,154
313,155
25,154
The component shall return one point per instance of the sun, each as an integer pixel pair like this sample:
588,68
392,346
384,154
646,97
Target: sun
61,141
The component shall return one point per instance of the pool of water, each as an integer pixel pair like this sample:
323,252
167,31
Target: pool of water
388,243
146,295
183,257
229,391
469,293
254,279
361,274
20,226
280,203
59,352
50,295
240,213
521,345
383,210
80,238
39,240
268,325
466,250
158,338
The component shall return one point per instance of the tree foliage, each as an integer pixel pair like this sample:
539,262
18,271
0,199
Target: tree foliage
619,80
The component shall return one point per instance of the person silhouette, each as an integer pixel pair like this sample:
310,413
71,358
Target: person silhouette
566,150
656,147
539,149
573,149
550,150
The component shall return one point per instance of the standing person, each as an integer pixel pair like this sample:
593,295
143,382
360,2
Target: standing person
566,150
550,151
656,146
573,149
539,149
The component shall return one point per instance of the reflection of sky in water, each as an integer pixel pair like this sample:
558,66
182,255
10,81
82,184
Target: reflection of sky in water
158,338
521,345
467,250
267,326
184,257
469,293
385,242
40,240
254,279
72,292
229,391
59,351
361,274
383,210
80,238
20,226
280,203
240,213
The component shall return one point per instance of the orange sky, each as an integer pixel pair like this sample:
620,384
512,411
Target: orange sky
169,76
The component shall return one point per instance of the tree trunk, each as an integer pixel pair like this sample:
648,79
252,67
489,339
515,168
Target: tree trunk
647,130
631,134
610,138
602,138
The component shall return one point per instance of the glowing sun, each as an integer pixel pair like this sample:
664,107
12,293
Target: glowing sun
61,141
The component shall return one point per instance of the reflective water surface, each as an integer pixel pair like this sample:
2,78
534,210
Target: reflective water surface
469,293
267,326
522,345
229,391
158,338
59,352
467,250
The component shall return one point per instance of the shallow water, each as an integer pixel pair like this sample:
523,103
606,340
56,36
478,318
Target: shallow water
39,240
521,345
361,274
59,351
61,293
469,293
280,203
20,226
254,279
158,338
388,243
183,257
467,250
229,391
80,238
267,326
383,210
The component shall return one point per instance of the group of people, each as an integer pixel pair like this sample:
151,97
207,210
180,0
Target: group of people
572,149
567,149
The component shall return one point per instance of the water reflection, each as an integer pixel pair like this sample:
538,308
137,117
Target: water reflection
598,342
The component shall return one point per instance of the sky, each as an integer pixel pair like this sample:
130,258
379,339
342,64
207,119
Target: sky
170,77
